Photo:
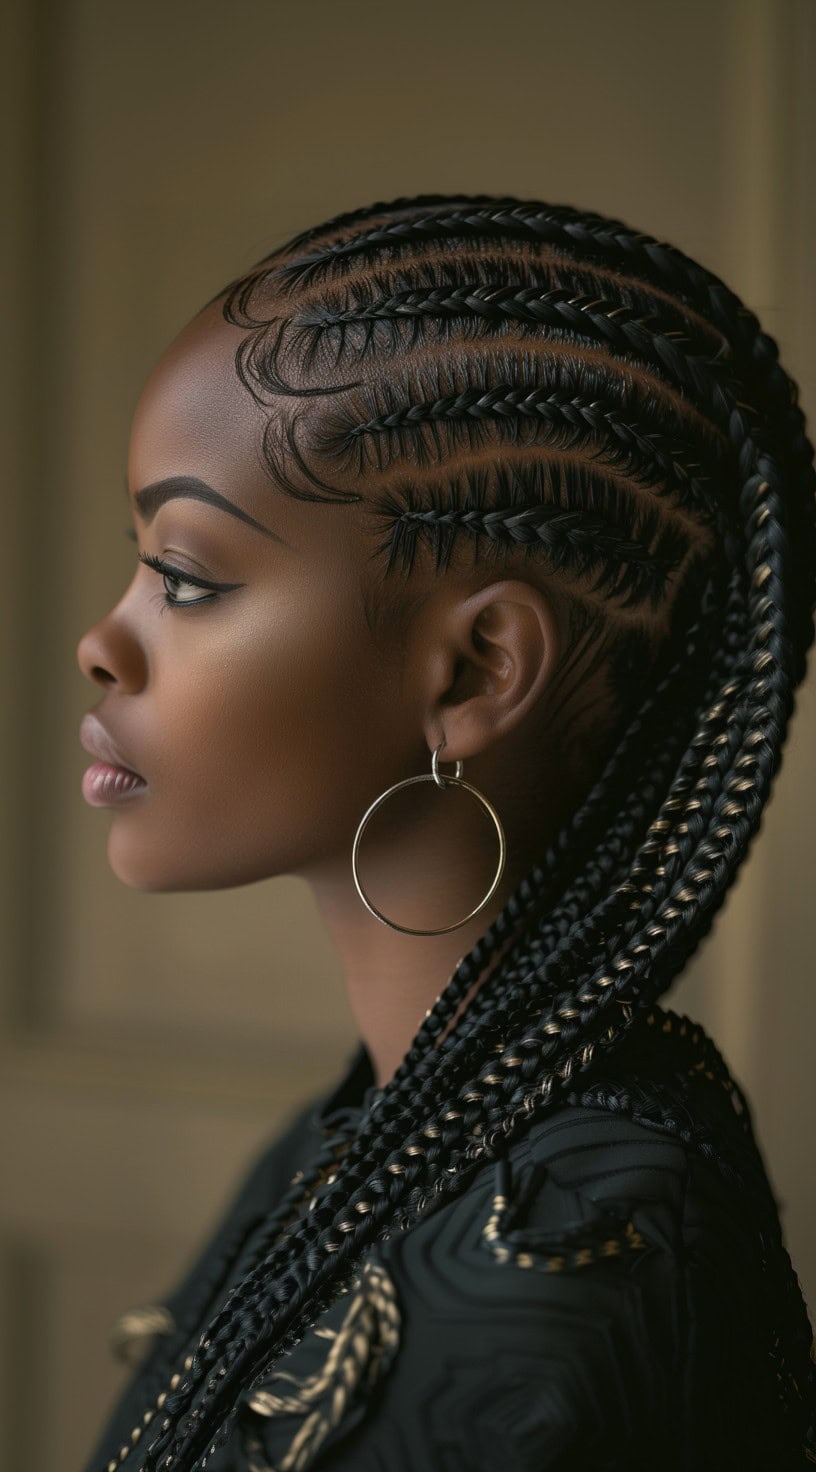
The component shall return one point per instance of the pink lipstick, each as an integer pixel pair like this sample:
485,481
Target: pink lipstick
103,784
109,779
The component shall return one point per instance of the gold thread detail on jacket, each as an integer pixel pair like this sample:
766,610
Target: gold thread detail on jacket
361,1350
578,1255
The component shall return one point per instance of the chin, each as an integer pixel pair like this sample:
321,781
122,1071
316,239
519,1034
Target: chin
150,867
153,869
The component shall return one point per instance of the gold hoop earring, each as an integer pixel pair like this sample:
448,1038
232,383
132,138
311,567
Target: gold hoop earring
441,781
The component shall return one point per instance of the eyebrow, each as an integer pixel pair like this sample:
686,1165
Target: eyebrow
176,487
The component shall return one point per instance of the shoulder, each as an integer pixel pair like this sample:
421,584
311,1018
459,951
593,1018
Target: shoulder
582,1221
595,1306
620,1201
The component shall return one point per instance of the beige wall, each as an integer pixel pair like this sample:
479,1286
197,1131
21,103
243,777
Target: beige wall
150,1043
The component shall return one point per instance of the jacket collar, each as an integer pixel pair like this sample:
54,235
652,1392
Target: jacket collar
351,1097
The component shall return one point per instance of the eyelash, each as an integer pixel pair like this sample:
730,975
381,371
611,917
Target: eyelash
179,577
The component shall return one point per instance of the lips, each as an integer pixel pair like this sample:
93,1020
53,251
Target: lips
98,742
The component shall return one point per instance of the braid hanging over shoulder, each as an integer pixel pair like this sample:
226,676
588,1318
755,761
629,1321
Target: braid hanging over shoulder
520,378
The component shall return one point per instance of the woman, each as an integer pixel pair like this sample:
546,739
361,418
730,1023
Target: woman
566,538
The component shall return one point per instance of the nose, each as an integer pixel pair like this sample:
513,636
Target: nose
109,654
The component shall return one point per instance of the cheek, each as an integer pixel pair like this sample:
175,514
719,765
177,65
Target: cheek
282,712
320,699
269,734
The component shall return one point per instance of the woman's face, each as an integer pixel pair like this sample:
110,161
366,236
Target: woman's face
265,718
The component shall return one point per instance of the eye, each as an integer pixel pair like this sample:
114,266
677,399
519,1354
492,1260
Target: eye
174,575
184,579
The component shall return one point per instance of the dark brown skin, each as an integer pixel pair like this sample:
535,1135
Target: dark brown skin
267,720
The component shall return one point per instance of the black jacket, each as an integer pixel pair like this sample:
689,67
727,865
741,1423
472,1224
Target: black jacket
629,1309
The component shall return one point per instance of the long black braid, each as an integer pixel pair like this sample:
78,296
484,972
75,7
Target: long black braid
522,375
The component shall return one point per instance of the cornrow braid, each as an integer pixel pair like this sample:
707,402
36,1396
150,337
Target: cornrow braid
593,235
626,565
655,454
607,407
410,202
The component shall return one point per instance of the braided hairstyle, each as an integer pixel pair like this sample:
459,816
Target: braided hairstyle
538,381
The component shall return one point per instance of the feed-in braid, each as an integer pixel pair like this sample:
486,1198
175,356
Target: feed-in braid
538,381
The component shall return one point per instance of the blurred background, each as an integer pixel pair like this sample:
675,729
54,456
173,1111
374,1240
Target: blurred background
152,1043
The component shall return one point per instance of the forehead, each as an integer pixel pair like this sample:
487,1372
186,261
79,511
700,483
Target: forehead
193,413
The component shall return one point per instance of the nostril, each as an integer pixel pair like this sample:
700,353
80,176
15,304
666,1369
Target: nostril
109,654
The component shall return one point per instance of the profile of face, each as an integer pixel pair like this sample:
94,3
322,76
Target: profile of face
263,710
251,708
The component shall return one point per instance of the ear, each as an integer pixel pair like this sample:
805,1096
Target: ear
492,654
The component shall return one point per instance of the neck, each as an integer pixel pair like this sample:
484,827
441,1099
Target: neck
393,980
